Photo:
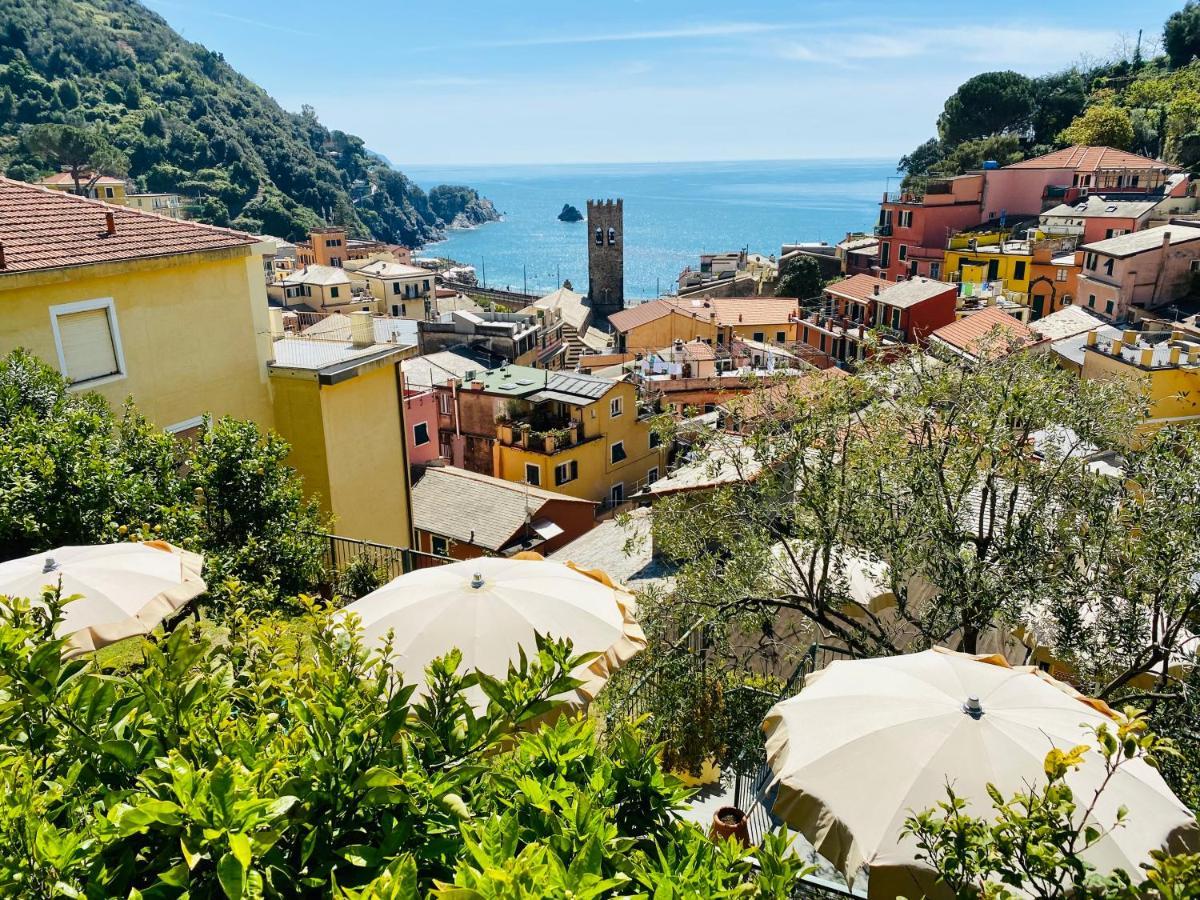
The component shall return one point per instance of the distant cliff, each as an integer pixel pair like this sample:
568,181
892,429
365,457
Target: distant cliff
461,207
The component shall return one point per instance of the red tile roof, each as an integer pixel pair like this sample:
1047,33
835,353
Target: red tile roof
858,287
1083,158
633,316
42,228
991,327
755,310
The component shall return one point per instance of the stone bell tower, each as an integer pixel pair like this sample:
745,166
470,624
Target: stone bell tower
606,256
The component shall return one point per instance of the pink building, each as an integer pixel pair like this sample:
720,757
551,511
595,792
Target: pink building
421,420
913,230
1023,189
1146,269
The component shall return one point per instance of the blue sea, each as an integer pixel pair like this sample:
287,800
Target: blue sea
673,213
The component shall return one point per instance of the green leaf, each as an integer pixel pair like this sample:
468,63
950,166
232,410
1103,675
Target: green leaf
239,846
122,751
232,875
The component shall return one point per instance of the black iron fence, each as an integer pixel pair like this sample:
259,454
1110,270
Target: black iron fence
342,552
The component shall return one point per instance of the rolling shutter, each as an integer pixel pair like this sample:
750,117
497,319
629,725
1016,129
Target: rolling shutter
87,345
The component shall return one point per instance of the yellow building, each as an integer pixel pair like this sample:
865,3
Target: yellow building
402,291
171,313
580,435
171,205
1165,365
984,258
339,403
660,323
767,320
104,187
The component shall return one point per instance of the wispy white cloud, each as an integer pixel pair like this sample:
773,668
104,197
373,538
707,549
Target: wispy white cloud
713,30
230,17
983,47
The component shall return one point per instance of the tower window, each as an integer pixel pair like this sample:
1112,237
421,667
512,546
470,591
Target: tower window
599,237
612,236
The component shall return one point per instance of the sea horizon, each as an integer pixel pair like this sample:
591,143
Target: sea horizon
674,211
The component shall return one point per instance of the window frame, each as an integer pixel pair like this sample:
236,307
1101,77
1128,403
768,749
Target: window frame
114,332
616,407
612,449
572,472
434,540
417,442
534,467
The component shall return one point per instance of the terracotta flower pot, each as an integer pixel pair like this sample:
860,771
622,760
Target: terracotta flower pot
729,821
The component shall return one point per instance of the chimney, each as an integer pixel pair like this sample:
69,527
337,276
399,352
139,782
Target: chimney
1175,354
1166,240
1193,355
1115,348
1129,336
362,328
1146,357
275,314
1092,337
110,224
876,291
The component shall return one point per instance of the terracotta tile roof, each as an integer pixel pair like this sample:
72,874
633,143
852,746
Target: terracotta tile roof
633,316
857,287
699,350
45,229
1083,158
755,310
991,324
65,178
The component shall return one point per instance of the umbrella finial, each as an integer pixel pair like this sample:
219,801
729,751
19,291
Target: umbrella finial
49,565
973,707
477,580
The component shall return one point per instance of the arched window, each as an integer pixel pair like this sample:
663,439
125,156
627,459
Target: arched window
612,236
599,237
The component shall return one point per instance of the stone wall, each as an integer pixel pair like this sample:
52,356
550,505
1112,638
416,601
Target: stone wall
606,256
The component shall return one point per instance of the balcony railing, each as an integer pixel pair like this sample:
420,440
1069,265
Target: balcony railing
545,437
883,230
339,552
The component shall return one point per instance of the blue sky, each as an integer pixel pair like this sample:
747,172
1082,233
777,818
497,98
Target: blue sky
626,81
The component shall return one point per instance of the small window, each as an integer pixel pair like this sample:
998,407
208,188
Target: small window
935,270
1108,266
440,546
444,449
617,494
1195,265
108,192
566,472
420,434
1019,271
533,474
1060,275
425,285
896,318
395,310
1090,261
902,252
444,404
780,337
1092,300
396,288
655,440
1108,307
616,453
333,293
615,408
87,340
760,336
652,475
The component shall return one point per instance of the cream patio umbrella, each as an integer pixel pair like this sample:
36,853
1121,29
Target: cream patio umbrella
124,589
867,743
489,607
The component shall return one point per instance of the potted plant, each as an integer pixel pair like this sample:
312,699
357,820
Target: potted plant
730,822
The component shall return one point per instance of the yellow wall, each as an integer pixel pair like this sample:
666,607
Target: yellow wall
348,444
1173,393
193,330
1006,267
596,474
665,330
790,331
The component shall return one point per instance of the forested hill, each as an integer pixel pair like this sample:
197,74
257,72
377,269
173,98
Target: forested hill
1140,101
175,116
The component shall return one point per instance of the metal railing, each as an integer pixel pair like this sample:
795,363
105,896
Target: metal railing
340,552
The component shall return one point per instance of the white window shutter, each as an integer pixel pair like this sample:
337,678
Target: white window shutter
87,345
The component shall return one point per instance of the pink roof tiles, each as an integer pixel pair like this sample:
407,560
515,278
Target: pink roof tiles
45,229
1083,158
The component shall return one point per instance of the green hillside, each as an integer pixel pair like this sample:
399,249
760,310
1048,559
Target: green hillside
184,120
1138,102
